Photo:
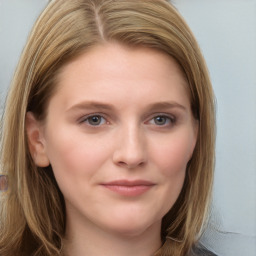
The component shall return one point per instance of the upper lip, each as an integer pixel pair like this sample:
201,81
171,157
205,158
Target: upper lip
129,183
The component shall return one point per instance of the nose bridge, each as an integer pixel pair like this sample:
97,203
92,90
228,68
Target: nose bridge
134,139
131,149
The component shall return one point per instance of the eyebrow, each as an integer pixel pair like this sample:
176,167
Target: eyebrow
166,105
105,106
91,105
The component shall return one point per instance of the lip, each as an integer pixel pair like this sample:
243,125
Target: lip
129,187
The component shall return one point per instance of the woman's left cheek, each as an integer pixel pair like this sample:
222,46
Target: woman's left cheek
172,160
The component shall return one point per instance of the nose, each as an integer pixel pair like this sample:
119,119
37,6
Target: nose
130,148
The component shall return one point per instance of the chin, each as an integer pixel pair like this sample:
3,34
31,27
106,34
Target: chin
135,228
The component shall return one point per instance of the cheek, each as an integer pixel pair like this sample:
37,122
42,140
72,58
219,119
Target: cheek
173,154
74,158
171,158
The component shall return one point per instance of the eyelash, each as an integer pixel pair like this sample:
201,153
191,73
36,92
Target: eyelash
170,119
86,119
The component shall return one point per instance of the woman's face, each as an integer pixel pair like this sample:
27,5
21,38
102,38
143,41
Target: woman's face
119,133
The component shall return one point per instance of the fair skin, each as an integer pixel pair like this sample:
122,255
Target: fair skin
119,133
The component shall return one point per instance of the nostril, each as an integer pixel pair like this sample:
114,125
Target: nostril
130,164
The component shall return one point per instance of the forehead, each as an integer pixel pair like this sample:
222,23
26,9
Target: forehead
126,70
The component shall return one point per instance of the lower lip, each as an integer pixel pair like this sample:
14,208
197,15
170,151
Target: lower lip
129,190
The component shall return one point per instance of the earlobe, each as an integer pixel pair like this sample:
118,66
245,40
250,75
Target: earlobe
36,141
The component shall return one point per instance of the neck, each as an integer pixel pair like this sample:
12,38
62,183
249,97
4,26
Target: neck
89,239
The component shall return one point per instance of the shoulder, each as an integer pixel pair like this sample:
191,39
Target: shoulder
201,251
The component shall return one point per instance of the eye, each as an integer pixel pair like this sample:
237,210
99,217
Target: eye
162,120
95,120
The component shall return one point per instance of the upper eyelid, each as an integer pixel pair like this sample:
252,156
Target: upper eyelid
168,115
85,117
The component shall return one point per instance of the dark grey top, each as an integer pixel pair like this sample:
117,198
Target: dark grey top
202,251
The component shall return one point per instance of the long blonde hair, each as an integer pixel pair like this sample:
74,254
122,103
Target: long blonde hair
32,210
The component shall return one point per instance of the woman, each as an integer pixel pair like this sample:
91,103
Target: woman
108,134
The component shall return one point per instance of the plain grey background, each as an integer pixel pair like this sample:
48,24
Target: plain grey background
226,31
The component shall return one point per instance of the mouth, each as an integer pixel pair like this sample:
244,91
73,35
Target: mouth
129,187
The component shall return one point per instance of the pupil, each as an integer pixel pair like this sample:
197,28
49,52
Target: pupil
160,120
95,120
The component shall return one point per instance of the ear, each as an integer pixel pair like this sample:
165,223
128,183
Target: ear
36,141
